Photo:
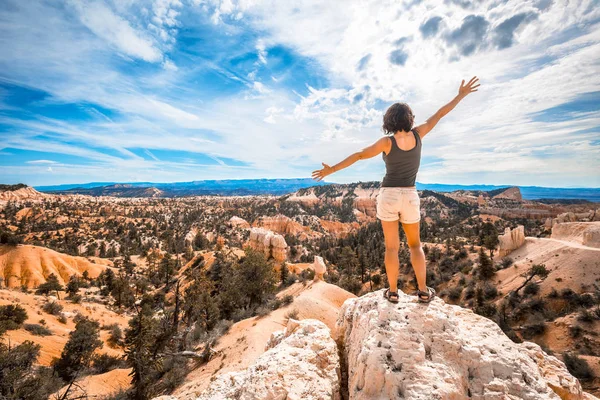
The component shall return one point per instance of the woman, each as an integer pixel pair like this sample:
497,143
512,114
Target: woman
398,198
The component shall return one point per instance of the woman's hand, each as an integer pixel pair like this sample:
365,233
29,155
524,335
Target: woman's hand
468,88
319,174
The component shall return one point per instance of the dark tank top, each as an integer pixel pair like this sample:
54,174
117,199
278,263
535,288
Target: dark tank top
401,166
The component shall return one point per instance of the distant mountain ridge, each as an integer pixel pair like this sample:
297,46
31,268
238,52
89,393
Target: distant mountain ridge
232,187
228,187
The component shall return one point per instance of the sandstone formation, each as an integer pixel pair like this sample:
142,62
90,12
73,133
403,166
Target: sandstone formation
589,216
319,268
511,240
26,265
513,193
190,236
280,224
364,196
271,244
426,351
591,237
585,233
237,222
27,193
300,362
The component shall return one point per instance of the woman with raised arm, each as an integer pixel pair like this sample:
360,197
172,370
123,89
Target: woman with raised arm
398,198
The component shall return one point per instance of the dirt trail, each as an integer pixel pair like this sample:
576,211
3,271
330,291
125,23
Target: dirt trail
566,243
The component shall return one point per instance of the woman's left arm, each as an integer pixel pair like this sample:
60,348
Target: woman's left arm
367,152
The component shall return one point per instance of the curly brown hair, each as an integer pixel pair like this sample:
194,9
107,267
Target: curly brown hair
398,117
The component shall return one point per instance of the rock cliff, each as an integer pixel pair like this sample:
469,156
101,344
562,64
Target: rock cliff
511,240
440,351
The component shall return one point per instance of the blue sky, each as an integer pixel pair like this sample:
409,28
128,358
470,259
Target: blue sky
181,90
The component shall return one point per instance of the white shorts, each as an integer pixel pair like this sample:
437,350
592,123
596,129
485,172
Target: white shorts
395,203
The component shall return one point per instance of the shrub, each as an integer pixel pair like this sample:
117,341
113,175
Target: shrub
531,288
287,299
102,363
469,292
553,294
292,314
376,279
585,316
506,262
37,330
489,291
575,331
577,366
263,311
75,299
115,337
52,307
532,330
12,316
9,238
455,293
291,279
585,300
486,310
307,274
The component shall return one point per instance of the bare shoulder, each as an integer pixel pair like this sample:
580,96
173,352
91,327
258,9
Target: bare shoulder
422,129
385,144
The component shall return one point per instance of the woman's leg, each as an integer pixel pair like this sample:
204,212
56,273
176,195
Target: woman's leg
417,257
392,245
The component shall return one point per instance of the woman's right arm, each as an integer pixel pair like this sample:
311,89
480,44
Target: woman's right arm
368,152
432,121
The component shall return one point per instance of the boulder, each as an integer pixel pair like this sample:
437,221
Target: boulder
300,362
439,351
511,240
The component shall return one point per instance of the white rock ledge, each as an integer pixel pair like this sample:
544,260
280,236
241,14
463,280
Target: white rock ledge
301,362
417,351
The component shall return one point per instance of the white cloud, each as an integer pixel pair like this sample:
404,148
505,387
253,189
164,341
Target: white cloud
41,162
116,30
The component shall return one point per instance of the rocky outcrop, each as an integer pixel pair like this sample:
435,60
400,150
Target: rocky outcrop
511,240
237,222
439,351
588,216
22,194
271,244
591,237
300,362
281,224
585,233
319,268
190,236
